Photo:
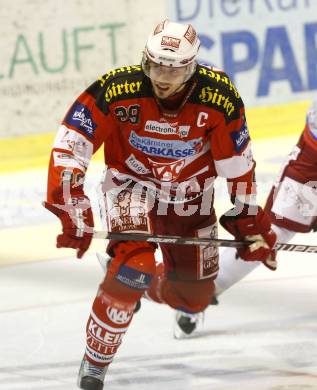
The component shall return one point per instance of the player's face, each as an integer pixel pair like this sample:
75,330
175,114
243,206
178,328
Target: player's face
166,80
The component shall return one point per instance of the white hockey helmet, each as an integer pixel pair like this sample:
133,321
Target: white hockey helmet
172,45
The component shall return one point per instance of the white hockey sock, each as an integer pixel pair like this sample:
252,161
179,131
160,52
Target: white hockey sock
232,269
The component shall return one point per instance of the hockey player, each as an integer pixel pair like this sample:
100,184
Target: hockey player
168,127
291,204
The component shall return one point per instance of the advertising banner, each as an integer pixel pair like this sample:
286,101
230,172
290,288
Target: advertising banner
52,50
268,47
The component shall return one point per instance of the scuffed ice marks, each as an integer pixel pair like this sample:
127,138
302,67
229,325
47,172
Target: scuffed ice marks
298,355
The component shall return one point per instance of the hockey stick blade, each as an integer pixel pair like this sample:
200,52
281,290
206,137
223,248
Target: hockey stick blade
177,240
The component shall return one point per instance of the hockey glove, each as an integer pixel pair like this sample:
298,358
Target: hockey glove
77,221
255,228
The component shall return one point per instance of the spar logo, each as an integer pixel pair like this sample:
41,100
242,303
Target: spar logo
119,316
164,128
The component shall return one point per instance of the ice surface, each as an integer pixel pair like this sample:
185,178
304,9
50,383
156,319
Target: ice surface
262,335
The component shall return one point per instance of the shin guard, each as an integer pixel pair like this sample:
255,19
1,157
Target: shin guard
128,276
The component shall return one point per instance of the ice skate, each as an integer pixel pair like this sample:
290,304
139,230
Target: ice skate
186,324
91,377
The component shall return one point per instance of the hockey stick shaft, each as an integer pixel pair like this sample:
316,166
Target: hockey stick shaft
177,240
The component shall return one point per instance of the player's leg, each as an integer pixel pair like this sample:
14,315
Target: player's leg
185,280
188,298
128,275
232,269
289,207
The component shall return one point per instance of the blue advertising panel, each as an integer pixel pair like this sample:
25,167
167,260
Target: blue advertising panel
268,47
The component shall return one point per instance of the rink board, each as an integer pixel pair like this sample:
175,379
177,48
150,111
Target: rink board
33,151
26,222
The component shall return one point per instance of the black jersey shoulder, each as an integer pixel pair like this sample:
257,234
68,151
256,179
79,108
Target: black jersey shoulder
215,89
127,82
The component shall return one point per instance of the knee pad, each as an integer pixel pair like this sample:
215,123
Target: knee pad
130,271
133,254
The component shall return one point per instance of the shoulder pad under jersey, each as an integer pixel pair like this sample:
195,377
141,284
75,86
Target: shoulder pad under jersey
127,82
216,90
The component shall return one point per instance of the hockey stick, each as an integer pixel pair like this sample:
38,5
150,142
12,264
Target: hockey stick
177,240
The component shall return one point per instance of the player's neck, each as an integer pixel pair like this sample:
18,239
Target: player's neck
172,105
174,101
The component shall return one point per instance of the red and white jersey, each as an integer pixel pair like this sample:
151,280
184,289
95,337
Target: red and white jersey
207,137
310,131
292,202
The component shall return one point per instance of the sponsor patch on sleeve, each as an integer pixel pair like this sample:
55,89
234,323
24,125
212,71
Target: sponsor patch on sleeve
80,117
240,138
67,160
75,143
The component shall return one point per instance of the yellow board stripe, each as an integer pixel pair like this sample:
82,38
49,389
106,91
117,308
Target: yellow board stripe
32,151
277,121
28,152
